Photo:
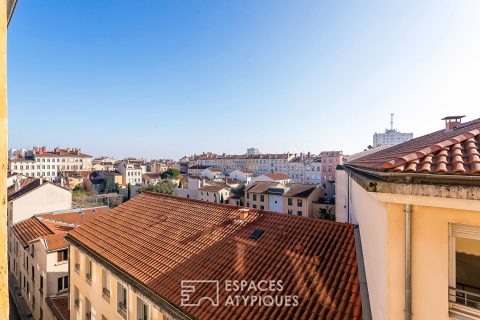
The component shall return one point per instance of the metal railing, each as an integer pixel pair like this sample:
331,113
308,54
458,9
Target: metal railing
464,301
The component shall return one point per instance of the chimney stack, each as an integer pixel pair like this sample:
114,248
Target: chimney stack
452,122
243,214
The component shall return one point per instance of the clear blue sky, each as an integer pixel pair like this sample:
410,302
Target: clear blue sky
168,78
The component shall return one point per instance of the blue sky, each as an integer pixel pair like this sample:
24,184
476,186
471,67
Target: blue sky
169,78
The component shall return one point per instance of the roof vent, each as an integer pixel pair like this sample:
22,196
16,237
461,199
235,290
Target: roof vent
243,214
452,122
256,234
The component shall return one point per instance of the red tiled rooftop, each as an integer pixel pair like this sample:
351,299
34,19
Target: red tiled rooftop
454,151
160,240
59,307
211,188
278,176
30,229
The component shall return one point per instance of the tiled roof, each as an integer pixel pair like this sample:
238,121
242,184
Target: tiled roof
160,240
269,156
246,171
278,176
198,167
30,229
262,186
74,216
59,307
300,190
211,188
53,226
55,242
454,151
214,169
150,175
28,185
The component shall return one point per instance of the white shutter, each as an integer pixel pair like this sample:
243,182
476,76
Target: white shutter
465,231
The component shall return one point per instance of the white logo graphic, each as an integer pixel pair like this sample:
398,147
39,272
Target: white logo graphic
191,297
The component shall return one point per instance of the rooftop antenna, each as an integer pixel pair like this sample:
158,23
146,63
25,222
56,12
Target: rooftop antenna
391,121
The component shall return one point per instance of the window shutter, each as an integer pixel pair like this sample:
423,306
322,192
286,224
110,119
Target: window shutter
465,231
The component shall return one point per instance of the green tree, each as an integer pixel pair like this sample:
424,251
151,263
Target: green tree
170,174
129,191
164,187
107,184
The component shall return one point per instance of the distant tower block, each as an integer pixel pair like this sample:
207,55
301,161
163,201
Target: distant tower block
391,136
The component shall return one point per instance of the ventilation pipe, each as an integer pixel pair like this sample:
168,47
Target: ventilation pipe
408,261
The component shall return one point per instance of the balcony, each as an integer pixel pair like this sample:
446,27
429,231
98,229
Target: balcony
463,303
89,277
106,293
76,303
77,267
122,309
88,316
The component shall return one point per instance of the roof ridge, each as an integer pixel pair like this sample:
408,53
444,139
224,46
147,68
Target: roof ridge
417,155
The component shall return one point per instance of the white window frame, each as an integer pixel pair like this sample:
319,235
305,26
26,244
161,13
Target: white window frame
461,231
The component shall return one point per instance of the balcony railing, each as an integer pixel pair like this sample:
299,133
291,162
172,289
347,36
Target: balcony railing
76,303
89,277
106,292
77,267
464,303
88,316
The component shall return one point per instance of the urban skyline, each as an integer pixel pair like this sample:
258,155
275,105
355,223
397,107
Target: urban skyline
327,74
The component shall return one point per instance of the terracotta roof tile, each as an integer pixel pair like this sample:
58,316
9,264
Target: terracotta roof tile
278,176
30,229
454,151
59,307
25,187
160,240
211,188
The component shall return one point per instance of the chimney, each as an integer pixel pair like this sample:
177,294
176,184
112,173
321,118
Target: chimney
243,214
44,149
452,122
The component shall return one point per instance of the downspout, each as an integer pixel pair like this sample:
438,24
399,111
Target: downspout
408,261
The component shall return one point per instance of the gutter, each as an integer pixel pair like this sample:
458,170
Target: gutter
417,177
362,276
408,261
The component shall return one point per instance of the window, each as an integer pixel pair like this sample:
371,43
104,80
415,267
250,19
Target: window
77,260
254,206
248,195
62,283
299,202
290,201
88,309
262,198
254,197
33,274
88,270
41,285
289,211
105,284
76,299
262,208
62,255
464,263
299,213
142,310
122,300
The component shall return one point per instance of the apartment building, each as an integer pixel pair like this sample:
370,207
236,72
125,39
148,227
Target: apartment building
121,270
417,205
211,173
242,175
272,177
38,257
329,161
103,164
293,199
215,193
268,163
47,164
196,170
34,196
131,172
